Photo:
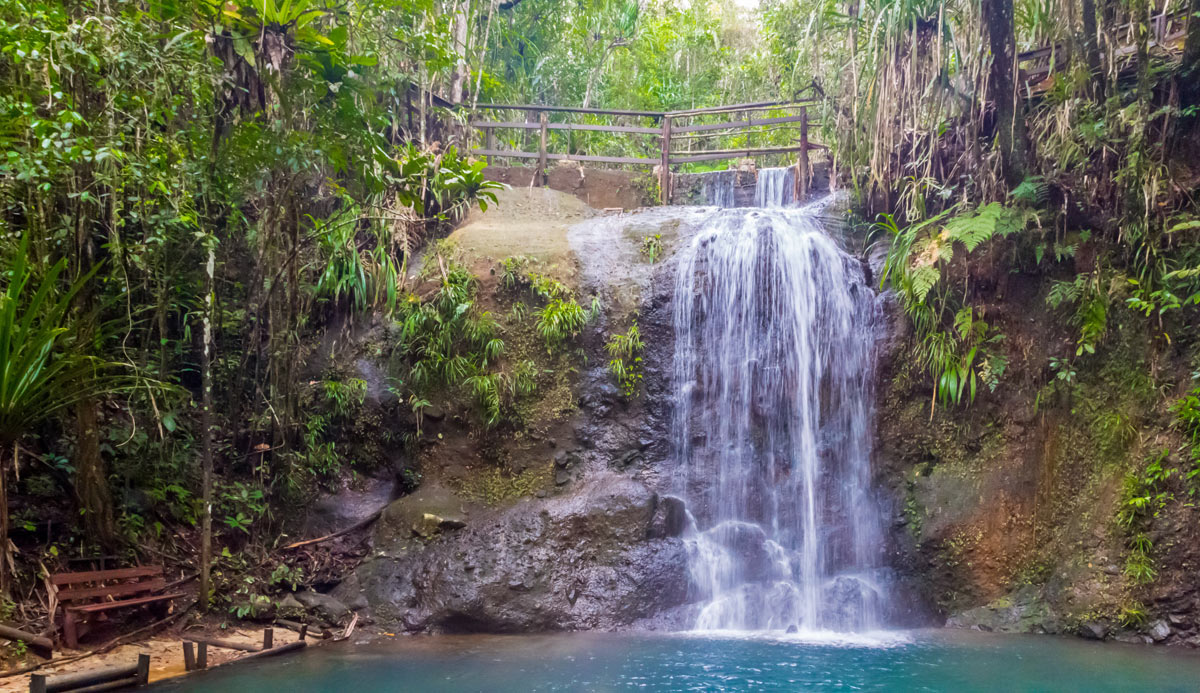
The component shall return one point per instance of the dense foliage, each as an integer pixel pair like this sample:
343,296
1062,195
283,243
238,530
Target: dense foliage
198,198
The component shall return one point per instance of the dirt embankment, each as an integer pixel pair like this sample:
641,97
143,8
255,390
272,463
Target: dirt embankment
597,188
1006,511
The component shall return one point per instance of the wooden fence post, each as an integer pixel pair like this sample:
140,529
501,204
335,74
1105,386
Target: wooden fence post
541,171
268,638
143,669
489,135
664,175
202,655
802,160
189,656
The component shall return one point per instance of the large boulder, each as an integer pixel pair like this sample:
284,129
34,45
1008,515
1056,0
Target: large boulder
595,558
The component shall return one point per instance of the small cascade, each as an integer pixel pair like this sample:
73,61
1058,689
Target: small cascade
771,433
718,188
775,187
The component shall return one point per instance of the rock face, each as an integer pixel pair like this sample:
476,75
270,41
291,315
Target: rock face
602,557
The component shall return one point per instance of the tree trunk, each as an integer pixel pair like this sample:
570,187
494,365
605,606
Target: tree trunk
1189,92
1011,136
5,587
462,71
1091,49
91,478
206,429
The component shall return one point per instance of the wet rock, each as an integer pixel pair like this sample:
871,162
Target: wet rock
586,435
561,477
580,560
324,606
256,608
670,518
793,629
289,607
1133,638
417,517
433,413
348,506
1159,630
1092,630
627,458
349,592
1179,619
848,602
748,546
1023,611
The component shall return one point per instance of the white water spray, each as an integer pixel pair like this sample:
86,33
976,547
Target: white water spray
771,432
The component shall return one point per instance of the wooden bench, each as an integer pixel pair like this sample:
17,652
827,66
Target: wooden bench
85,594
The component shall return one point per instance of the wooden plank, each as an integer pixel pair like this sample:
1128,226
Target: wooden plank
757,106
302,627
739,124
564,157
117,685
734,153
68,682
604,128
118,590
520,125
500,152
274,651
105,606
567,109
565,126
95,575
541,170
664,181
224,644
600,159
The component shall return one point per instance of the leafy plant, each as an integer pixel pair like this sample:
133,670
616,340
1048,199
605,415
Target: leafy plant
652,247
625,360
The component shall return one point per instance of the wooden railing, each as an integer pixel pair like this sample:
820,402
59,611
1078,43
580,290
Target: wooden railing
678,137
1166,29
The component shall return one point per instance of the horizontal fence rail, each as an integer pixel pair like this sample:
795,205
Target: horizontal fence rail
670,137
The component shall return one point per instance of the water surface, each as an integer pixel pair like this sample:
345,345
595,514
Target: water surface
924,661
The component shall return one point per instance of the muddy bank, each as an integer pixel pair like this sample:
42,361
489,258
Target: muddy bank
1006,513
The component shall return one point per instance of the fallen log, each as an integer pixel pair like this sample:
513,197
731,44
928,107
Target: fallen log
225,644
41,645
300,627
357,525
290,647
97,679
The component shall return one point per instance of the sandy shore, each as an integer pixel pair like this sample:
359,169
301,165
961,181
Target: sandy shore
166,655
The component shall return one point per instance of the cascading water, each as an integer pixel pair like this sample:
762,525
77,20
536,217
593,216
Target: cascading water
718,188
773,369
775,187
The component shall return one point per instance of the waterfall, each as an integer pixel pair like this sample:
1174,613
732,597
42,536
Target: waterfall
772,423
718,188
775,187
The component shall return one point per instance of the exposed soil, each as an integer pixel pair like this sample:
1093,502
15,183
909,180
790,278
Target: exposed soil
597,188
